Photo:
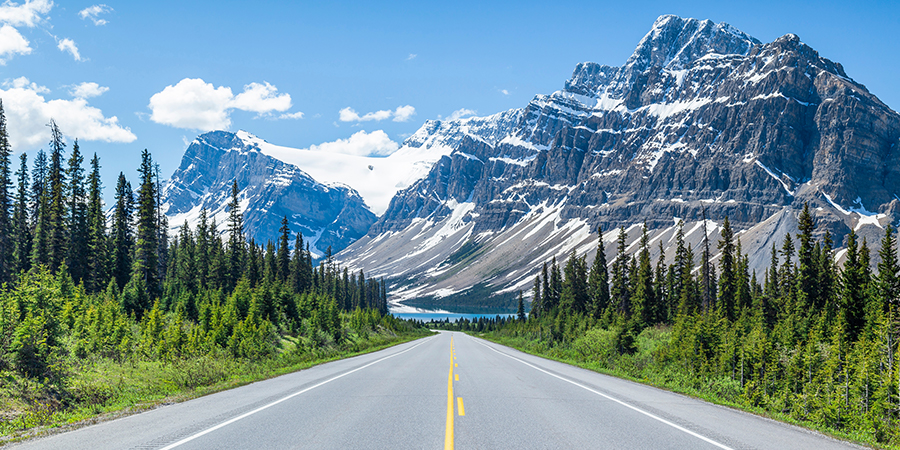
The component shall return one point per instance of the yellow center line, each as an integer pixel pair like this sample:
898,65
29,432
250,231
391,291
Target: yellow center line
462,411
457,377
448,437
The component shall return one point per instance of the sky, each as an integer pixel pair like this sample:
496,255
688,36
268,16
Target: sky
353,77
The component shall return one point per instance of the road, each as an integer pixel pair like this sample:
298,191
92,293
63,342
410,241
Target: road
450,390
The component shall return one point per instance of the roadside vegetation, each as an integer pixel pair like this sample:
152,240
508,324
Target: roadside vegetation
103,316
811,343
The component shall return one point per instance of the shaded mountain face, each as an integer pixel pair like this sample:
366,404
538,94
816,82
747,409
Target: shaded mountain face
702,117
327,214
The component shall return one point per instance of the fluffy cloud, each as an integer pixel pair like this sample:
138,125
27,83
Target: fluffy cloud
93,13
11,43
411,57
460,113
504,92
376,143
87,90
68,45
195,104
27,14
401,114
28,112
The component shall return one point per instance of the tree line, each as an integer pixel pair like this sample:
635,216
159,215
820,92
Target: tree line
76,283
807,338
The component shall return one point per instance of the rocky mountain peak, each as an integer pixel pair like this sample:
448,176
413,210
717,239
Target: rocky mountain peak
674,42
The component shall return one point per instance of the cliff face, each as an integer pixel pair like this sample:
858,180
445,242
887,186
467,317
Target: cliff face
327,214
702,117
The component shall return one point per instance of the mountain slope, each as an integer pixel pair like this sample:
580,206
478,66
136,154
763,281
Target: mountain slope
327,214
701,118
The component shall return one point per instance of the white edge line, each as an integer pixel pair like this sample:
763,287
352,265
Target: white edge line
650,415
247,414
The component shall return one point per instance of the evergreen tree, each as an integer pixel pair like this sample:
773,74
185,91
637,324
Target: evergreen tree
807,275
853,301
619,292
77,258
7,259
121,234
146,244
598,280
644,298
520,312
201,253
728,281
40,248
57,211
283,251
236,235
574,296
706,280
887,283
536,298
97,247
21,225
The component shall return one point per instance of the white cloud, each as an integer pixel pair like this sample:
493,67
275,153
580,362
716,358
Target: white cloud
195,104
93,13
404,113
27,14
296,115
401,114
504,92
261,99
11,43
28,112
87,90
460,113
68,45
411,57
376,143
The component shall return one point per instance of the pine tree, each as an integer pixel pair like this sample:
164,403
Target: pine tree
619,292
57,211
77,258
853,301
21,225
236,235
40,251
706,281
202,252
728,280
644,299
574,296
807,275
536,298
556,280
97,257
520,312
146,244
283,251
7,260
598,280
887,283
121,234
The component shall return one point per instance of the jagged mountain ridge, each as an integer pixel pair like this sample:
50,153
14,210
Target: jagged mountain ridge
327,214
702,117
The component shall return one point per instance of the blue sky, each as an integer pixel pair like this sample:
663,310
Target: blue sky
124,76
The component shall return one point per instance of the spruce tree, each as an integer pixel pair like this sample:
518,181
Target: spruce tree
536,298
807,275
7,259
887,283
121,235
78,245
706,281
57,211
40,250
235,235
728,280
21,223
853,295
619,290
146,244
201,253
283,251
97,248
520,311
644,297
598,280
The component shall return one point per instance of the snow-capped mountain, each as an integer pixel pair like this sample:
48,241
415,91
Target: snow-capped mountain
702,117
328,214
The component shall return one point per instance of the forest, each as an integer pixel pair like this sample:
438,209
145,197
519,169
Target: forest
88,292
810,342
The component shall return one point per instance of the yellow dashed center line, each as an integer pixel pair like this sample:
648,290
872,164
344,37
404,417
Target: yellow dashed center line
448,436
462,411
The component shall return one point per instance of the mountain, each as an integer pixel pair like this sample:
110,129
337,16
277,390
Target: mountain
328,214
701,119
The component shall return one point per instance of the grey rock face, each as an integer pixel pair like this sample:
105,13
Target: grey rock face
327,215
700,117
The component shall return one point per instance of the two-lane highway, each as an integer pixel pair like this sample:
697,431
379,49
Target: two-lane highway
449,390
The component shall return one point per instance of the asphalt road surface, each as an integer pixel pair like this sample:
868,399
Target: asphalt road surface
450,390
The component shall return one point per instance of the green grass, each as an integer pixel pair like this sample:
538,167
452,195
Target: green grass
98,389
595,351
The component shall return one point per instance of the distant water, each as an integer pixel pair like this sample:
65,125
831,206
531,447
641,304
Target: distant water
453,317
